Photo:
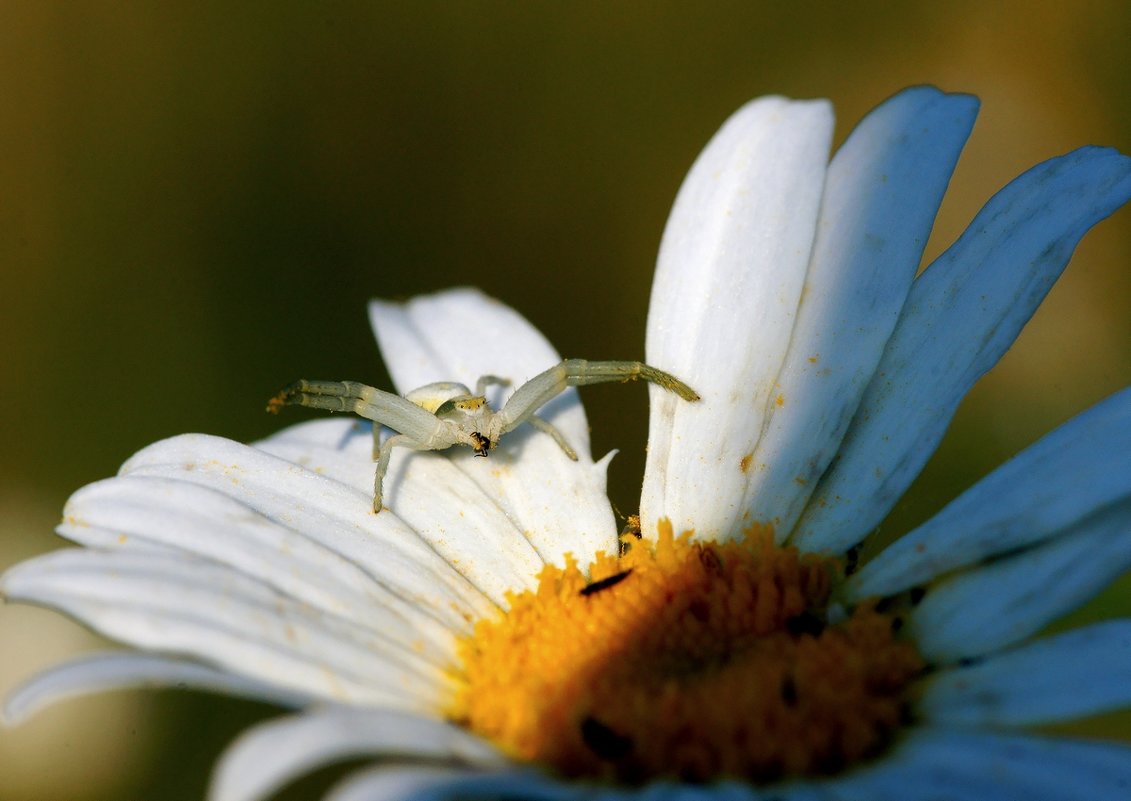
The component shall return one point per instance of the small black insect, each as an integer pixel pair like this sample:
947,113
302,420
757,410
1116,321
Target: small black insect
805,623
603,741
710,561
482,444
605,583
789,691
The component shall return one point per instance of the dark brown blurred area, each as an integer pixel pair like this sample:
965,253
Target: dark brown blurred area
196,200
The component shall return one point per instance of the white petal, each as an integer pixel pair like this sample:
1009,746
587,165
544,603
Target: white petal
668,790
1071,675
1009,600
883,189
340,448
462,523
1053,484
444,509
179,604
460,335
724,301
801,791
118,671
729,791
439,784
962,314
962,765
199,520
268,756
324,510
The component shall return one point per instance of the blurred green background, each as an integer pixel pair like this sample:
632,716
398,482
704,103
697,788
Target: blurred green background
196,200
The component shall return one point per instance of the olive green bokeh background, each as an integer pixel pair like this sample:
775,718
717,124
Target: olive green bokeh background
196,200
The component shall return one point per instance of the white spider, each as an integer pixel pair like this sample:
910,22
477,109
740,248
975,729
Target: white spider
438,416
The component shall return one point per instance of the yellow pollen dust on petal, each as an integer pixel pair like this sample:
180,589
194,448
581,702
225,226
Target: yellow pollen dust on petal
686,660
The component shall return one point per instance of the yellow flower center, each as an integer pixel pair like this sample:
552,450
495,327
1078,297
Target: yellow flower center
690,661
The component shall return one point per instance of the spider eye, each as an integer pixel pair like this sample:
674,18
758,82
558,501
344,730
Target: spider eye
482,444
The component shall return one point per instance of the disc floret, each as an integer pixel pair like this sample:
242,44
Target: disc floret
687,660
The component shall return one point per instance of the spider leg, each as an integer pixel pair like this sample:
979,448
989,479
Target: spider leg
384,408
490,380
580,372
417,428
547,428
383,454
545,386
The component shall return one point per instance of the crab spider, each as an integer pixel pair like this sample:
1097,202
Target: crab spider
438,416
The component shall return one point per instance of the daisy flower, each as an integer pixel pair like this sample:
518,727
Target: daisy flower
489,635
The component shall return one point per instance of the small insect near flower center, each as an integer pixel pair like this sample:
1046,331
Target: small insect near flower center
688,661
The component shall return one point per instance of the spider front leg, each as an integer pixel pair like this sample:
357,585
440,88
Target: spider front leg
417,428
393,411
545,386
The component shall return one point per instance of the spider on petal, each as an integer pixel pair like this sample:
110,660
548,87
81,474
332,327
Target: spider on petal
437,416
